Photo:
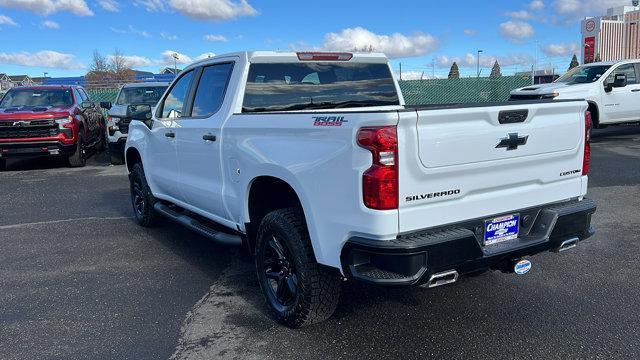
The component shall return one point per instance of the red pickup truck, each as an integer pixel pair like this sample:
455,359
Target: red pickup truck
50,121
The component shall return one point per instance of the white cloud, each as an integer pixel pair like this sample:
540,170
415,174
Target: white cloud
167,36
395,45
211,37
130,30
575,10
516,31
469,60
45,58
109,5
168,58
47,7
5,20
217,10
136,61
470,32
151,5
50,24
205,56
521,15
560,49
536,5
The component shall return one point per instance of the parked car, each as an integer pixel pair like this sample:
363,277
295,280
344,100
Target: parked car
312,162
117,121
50,121
610,88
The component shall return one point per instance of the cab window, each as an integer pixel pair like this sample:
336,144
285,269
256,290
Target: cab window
173,104
211,89
627,69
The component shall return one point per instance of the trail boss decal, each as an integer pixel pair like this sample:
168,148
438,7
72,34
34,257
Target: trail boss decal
432,195
328,120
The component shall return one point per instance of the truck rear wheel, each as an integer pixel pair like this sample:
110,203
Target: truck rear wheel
297,289
142,199
78,159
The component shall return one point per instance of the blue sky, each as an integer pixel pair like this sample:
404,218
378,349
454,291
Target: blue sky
59,36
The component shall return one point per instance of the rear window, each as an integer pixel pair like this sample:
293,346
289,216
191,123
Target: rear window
141,95
29,98
305,86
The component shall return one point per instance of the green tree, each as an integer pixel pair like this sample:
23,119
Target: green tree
495,71
574,62
454,72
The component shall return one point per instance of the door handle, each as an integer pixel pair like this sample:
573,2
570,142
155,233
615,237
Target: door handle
635,90
170,135
209,137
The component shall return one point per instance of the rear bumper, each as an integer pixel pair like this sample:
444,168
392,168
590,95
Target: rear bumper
411,259
35,148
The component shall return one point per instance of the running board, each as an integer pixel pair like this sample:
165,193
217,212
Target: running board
195,225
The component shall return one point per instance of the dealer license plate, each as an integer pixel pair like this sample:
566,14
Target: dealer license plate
501,229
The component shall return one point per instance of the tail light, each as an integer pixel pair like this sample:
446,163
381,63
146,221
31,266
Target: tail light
380,181
587,143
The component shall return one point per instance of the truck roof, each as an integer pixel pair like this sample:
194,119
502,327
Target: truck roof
292,56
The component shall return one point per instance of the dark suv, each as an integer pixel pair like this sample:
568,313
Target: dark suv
50,121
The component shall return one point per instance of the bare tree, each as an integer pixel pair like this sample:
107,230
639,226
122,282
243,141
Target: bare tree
120,68
99,62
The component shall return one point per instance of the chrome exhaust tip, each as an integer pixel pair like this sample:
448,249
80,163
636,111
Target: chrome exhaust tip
443,278
567,244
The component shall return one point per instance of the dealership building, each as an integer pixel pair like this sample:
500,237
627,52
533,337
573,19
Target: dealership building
614,36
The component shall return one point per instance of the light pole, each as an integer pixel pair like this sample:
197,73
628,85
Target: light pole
478,65
175,63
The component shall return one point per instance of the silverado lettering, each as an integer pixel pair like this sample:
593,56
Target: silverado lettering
432,195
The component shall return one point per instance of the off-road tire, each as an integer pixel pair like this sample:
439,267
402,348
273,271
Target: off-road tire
318,290
143,211
78,159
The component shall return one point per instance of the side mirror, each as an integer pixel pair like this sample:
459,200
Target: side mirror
620,80
87,105
105,105
608,86
141,112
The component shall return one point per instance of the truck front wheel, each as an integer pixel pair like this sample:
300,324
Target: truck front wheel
142,199
78,159
297,289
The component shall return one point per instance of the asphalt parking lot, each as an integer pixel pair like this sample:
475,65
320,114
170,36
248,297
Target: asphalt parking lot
79,280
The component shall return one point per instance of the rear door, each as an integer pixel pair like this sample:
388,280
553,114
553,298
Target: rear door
466,163
199,141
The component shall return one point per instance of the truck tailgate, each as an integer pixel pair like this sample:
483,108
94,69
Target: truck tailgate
462,163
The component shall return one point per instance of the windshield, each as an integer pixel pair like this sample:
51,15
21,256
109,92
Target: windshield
36,98
302,86
583,74
140,95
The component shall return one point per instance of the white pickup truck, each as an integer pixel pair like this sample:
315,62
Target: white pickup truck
612,90
312,162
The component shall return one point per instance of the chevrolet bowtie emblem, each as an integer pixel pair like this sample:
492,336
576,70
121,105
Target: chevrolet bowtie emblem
512,141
